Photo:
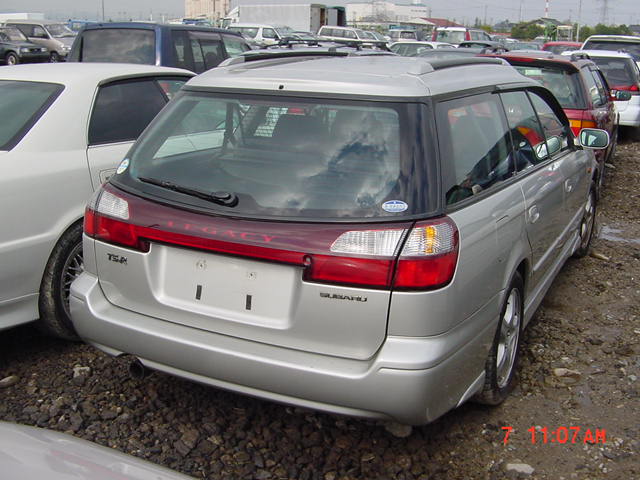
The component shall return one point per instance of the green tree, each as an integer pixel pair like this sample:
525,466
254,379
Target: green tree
526,31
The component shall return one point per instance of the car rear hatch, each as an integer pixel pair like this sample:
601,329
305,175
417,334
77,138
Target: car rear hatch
282,222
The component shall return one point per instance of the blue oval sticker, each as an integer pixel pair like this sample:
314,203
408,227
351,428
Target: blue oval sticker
124,164
394,206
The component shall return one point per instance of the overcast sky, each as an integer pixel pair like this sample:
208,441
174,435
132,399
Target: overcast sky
619,11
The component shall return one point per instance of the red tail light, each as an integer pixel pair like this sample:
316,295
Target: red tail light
627,88
401,255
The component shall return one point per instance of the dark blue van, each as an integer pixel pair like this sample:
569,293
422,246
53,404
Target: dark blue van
192,47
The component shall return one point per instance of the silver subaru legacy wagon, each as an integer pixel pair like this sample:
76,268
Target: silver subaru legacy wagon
365,235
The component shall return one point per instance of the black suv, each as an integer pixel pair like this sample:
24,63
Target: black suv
184,46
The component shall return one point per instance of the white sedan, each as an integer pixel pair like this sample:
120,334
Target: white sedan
65,127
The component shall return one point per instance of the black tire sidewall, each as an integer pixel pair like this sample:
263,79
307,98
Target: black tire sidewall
491,393
54,319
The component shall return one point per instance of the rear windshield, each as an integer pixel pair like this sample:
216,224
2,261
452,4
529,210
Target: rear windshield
562,83
632,48
124,45
450,36
21,104
287,157
618,71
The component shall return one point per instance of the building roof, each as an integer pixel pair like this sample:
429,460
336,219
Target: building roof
442,22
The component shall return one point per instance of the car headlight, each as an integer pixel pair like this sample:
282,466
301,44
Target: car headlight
24,49
66,48
43,49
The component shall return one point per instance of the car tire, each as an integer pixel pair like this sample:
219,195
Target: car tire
587,225
502,362
54,57
11,59
64,265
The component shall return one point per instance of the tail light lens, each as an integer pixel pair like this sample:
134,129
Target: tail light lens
402,255
634,89
586,122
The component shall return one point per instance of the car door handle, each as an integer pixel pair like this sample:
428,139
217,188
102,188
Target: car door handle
568,186
534,214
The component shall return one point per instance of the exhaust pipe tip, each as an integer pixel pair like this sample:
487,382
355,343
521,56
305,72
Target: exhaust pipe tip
137,370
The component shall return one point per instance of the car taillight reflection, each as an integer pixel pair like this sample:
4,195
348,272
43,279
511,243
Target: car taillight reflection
400,255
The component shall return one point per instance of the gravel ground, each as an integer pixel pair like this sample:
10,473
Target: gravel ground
579,372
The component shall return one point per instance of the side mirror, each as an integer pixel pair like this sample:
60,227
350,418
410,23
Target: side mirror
593,138
552,146
621,95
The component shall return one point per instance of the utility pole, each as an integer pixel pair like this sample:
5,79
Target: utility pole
579,20
484,21
103,10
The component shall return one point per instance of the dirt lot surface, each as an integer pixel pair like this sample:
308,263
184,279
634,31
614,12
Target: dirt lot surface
574,414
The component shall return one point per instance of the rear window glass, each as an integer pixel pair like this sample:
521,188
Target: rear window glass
125,45
618,71
564,85
632,48
455,36
285,157
21,104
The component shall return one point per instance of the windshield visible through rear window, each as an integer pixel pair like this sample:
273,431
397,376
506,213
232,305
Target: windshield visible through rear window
562,83
286,157
619,72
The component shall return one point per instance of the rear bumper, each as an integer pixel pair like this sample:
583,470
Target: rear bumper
410,380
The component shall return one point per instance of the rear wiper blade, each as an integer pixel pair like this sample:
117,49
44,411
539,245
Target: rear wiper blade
226,199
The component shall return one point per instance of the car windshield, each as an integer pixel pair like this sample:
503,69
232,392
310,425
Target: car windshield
250,32
60,30
618,71
287,157
632,48
20,105
12,34
562,83
284,31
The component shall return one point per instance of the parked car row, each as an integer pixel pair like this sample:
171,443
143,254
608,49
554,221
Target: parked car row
296,214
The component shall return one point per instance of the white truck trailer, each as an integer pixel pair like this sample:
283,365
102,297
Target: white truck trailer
307,17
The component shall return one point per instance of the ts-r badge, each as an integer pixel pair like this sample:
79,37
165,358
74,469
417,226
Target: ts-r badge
117,258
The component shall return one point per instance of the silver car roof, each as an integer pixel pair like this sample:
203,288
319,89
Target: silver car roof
386,76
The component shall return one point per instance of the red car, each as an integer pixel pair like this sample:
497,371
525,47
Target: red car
580,88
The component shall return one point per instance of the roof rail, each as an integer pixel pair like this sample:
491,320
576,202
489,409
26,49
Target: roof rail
255,55
458,62
580,56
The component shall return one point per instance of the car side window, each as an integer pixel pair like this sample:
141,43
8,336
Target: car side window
601,83
122,110
27,30
206,49
526,132
556,132
592,88
268,33
475,146
234,45
39,32
350,34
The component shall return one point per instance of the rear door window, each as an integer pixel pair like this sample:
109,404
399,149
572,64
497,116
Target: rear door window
21,105
122,110
476,153
123,45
